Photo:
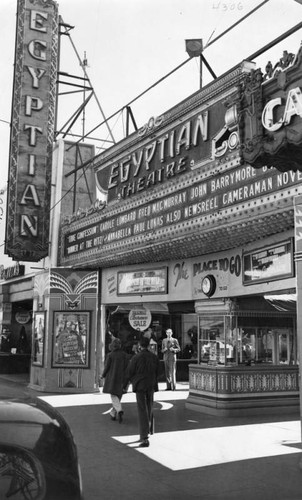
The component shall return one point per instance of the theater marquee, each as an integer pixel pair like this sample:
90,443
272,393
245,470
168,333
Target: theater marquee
32,130
271,116
199,200
173,147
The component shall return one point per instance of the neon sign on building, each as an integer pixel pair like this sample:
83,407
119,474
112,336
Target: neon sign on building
32,130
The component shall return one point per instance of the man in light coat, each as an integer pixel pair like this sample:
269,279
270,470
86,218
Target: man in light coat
170,347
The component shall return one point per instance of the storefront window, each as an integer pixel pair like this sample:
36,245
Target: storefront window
218,340
268,345
184,327
228,340
188,336
5,339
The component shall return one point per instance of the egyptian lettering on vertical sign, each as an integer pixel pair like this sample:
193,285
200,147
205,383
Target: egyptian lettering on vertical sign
32,130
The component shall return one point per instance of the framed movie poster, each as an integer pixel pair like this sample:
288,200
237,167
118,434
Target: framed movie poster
71,339
38,338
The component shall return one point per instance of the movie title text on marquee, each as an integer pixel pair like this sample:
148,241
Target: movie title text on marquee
214,194
32,133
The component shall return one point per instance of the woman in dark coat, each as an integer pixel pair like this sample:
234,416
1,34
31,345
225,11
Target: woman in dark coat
115,373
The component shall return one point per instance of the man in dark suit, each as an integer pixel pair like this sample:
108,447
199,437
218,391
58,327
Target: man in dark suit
142,373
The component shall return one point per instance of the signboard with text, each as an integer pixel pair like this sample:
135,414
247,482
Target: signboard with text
270,263
170,146
271,115
140,318
32,131
200,199
142,281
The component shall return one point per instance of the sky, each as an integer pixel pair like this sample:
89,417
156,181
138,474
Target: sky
131,44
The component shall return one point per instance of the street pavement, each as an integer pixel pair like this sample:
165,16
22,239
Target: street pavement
191,455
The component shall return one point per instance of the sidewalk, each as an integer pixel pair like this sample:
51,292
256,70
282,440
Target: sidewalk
191,455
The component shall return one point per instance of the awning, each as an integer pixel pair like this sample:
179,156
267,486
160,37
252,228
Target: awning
283,302
154,307
187,307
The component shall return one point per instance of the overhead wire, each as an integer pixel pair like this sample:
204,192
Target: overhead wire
133,100
209,42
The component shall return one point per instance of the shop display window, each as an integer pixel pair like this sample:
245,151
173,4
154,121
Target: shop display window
188,336
38,338
184,326
5,339
267,345
232,340
218,340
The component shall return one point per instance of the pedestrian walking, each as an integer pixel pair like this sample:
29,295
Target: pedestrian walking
115,375
142,373
170,347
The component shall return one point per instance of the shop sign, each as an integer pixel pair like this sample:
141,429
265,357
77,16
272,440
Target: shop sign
23,317
272,117
32,132
269,263
200,199
292,107
142,281
222,264
207,135
11,272
212,275
140,318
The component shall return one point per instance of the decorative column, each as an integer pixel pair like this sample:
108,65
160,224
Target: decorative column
65,331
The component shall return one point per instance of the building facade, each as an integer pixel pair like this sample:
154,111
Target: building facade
199,234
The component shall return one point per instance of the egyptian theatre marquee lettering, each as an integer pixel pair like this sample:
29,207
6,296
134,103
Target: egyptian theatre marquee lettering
164,156
156,161
32,130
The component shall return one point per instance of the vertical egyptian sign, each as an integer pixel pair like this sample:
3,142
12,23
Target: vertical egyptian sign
32,130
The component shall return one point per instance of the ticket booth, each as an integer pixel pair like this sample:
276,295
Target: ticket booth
247,359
